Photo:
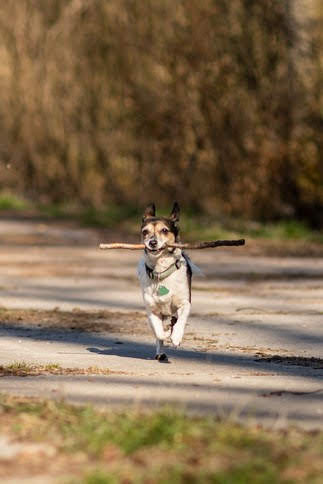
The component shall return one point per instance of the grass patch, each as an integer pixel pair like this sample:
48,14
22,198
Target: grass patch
11,202
111,216
315,363
108,217
21,368
158,447
284,230
288,230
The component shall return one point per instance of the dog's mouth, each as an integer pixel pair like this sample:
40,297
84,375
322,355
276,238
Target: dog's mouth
155,251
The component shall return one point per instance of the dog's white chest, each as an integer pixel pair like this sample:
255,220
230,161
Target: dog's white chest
157,298
167,293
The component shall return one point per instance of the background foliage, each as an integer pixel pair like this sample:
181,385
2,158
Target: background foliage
216,103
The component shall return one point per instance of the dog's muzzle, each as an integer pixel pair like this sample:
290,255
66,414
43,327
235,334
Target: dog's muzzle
153,244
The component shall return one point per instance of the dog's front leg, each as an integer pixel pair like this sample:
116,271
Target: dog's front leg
156,324
160,355
179,327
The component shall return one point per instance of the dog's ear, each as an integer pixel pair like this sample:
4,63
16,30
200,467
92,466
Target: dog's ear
150,211
174,216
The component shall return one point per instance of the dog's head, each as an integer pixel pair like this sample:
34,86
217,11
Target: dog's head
158,232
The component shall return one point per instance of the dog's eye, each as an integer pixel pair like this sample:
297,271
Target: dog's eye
144,233
164,231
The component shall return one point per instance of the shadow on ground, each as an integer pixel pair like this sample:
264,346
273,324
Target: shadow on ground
114,345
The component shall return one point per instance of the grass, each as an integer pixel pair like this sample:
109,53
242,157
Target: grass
8,201
110,216
193,226
22,368
102,447
285,230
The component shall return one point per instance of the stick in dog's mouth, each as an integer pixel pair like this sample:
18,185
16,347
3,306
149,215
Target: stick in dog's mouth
197,245
155,251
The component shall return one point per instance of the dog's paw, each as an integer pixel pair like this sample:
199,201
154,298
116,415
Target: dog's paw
162,358
176,340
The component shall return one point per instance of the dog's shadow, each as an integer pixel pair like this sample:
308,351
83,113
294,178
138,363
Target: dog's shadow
136,350
111,352
125,350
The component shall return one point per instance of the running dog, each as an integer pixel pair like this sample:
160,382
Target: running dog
165,275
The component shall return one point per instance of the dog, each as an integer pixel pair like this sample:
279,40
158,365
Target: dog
165,276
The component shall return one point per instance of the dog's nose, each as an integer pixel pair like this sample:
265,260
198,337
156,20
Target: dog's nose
153,243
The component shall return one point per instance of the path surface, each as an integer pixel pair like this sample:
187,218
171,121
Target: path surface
247,309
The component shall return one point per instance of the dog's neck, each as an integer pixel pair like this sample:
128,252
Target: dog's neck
162,262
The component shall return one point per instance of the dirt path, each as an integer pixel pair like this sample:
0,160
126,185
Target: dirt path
253,348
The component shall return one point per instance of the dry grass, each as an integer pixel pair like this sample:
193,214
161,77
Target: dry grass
315,363
78,320
21,368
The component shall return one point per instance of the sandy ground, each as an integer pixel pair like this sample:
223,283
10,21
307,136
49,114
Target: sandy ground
252,350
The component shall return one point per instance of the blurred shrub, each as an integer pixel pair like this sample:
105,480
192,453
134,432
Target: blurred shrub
216,103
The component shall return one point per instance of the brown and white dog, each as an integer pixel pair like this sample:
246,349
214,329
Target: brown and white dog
165,275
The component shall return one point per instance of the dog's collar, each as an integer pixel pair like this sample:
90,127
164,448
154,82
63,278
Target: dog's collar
160,276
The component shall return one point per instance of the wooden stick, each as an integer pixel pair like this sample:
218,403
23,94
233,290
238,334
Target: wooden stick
197,245
210,244
120,245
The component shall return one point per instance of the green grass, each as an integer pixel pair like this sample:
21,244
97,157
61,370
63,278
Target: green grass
193,226
202,227
163,446
111,216
285,230
8,201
